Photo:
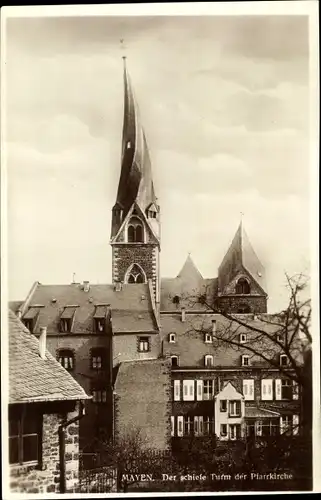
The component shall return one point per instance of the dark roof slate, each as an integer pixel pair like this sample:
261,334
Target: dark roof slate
32,378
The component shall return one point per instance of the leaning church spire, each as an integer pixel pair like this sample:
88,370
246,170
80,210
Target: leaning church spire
136,183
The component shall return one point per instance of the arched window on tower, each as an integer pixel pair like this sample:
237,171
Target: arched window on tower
242,287
135,275
135,231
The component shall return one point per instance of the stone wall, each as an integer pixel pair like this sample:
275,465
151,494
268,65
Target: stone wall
45,478
231,303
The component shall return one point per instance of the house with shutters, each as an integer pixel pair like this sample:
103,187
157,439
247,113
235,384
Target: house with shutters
112,338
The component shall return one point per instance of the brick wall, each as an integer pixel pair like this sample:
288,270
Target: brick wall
231,303
145,255
32,478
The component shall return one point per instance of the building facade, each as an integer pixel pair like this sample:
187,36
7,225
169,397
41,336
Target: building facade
103,333
45,406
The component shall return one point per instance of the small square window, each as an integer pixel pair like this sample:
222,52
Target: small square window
223,405
174,360
245,360
209,361
284,361
243,338
143,344
172,338
208,338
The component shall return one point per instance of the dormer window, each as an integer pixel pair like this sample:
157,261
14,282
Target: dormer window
245,360
135,231
30,318
66,358
208,360
172,338
66,319
208,339
242,287
128,145
284,360
100,319
99,325
151,211
243,338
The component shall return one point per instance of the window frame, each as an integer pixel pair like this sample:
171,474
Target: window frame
98,390
207,358
97,321
208,338
234,403
20,417
69,354
243,358
282,357
68,325
243,338
172,338
98,352
208,389
242,287
142,340
177,361
133,225
223,405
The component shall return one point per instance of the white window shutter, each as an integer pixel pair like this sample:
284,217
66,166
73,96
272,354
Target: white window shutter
200,426
278,394
180,428
295,392
251,390
295,425
177,390
281,425
245,388
191,389
263,389
199,389
172,425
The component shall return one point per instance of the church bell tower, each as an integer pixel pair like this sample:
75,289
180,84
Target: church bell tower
135,227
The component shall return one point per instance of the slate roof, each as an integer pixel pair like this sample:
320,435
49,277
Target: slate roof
191,348
188,293
31,378
131,308
257,412
15,304
241,255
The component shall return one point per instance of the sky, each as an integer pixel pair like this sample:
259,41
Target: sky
224,101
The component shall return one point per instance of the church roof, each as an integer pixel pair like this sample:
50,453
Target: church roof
135,183
189,271
239,256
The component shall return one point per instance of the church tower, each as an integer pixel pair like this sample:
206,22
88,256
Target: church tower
241,278
135,227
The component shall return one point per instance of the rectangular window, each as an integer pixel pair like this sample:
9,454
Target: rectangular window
66,359
295,425
284,360
65,325
243,338
223,430
188,390
177,390
295,394
98,358
223,405
285,424
286,389
248,389
25,431
99,396
208,426
245,360
208,389
235,408
172,425
266,389
180,430
198,426
235,431
208,338
188,426
143,344
199,390
209,361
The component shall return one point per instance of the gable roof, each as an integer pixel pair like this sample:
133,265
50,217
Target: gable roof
31,378
241,255
189,272
133,301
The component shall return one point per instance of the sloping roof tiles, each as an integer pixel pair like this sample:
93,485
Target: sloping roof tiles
32,378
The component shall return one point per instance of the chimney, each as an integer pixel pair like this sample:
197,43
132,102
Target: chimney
183,314
42,342
213,326
86,286
118,286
